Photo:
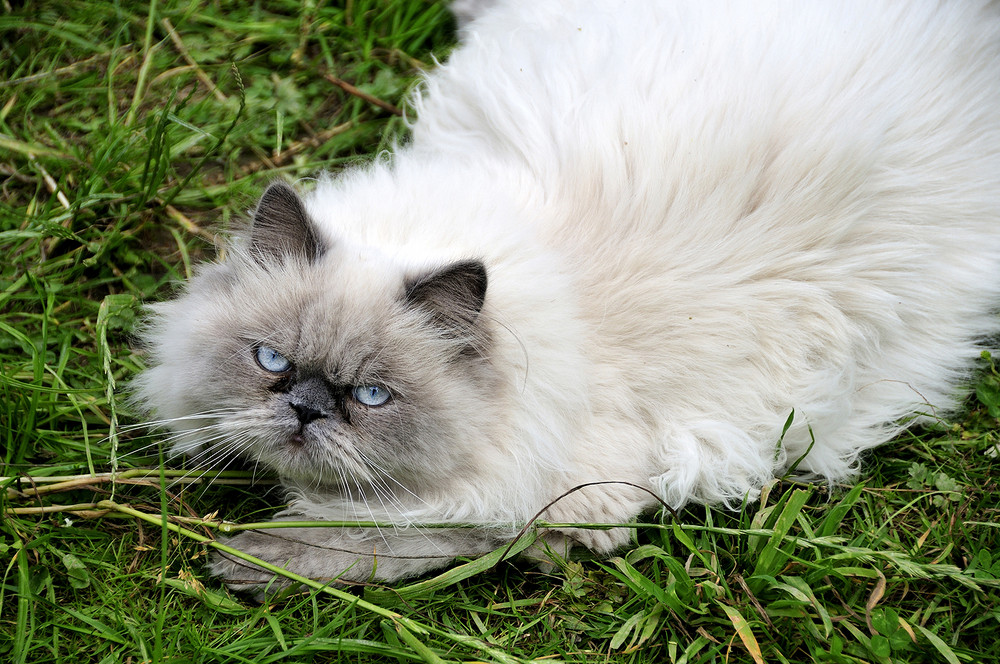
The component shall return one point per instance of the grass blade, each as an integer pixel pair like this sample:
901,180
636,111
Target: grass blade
945,651
744,632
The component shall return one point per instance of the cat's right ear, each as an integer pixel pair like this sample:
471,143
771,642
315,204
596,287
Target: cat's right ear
454,294
282,227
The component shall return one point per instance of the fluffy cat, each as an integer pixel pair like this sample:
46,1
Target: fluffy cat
626,241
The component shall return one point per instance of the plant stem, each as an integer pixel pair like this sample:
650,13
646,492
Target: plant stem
399,621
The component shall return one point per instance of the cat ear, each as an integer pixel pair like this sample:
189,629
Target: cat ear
282,227
454,294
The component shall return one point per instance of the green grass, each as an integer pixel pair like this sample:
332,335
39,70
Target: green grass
129,134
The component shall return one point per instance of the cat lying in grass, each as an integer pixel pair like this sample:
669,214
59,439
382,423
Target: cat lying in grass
626,241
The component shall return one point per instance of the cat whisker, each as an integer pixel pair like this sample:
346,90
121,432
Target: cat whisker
219,457
256,467
400,513
152,426
391,503
205,436
381,472
378,528
215,412
167,441
208,437
215,455
383,496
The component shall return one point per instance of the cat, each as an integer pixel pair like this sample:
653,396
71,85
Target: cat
625,243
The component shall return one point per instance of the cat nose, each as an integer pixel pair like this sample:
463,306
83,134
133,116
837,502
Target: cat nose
306,413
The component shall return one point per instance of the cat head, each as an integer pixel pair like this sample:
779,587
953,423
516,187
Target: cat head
330,363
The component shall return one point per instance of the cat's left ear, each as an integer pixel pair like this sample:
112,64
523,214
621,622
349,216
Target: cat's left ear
453,294
282,227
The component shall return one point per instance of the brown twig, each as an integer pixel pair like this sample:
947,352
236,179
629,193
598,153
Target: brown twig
189,225
41,486
60,71
361,94
51,185
283,157
753,600
82,510
199,72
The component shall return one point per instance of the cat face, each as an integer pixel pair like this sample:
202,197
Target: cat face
331,365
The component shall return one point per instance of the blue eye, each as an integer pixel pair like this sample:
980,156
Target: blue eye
371,395
271,360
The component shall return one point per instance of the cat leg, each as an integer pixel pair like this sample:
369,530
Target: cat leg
610,502
348,554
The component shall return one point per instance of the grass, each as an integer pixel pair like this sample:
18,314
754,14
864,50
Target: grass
129,134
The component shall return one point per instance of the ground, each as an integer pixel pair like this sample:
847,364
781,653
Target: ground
130,135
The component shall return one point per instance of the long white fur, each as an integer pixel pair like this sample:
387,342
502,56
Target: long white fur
697,216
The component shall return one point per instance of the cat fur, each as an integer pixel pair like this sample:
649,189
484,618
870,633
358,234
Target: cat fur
647,233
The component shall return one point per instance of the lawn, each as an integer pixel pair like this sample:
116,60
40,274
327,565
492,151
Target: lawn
130,135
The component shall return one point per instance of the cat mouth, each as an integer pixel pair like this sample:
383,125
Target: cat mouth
297,438
302,445
291,453
302,440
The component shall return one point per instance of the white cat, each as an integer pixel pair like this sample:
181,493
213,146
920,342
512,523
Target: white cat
626,241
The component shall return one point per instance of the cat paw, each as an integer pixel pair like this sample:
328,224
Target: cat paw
244,576
328,555
603,503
